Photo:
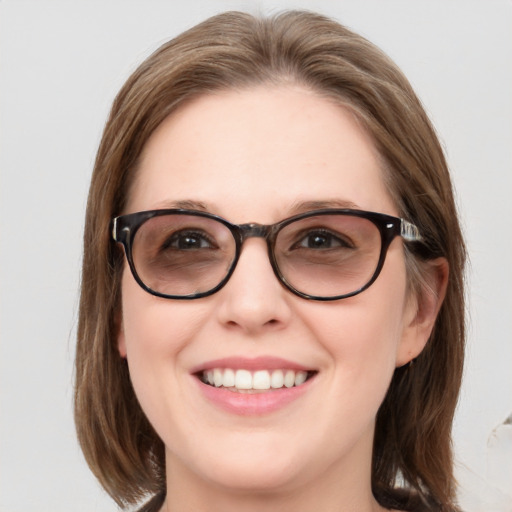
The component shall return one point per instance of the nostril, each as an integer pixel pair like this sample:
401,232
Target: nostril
271,322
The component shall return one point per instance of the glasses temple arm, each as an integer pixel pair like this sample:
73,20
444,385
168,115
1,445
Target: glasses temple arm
114,229
409,231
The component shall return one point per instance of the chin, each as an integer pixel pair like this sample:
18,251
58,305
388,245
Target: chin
248,469
245,477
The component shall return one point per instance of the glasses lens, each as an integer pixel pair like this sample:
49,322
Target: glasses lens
182,255
328,255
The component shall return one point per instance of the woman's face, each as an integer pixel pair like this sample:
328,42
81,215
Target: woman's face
261,155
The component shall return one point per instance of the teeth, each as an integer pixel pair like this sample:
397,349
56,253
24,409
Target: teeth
300,378
243,379
277,379
289,378
218,377
261,379
228,380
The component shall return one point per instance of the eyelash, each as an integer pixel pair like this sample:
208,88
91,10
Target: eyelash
341,242
179,235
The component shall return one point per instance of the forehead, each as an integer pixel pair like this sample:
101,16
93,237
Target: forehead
254,154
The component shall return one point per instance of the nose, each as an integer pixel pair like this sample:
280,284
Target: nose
253,300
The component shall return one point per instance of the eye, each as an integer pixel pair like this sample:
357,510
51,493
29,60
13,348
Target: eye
322,239
189,240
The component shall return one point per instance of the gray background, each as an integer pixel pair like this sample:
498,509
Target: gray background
61,64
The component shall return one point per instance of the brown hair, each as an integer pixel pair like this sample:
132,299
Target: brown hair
412,447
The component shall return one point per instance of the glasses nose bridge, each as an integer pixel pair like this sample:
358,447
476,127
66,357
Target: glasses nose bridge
253,230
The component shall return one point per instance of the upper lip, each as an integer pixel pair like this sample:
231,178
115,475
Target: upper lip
254,364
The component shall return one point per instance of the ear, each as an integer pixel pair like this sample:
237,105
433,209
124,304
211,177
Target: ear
421,310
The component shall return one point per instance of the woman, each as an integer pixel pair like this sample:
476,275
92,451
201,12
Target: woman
272,296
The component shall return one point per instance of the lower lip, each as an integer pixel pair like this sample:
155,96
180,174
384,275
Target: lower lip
253,404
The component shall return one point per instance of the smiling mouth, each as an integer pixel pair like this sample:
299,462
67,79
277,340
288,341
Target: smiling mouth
246,381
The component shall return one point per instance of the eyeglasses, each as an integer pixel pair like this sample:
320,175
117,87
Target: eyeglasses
320,255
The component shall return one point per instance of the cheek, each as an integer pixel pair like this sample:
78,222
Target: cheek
361,327
362,344
363,334
152,325
154,334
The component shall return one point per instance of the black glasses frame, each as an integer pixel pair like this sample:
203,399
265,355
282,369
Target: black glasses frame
125,227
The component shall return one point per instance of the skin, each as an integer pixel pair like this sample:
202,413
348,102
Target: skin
252,156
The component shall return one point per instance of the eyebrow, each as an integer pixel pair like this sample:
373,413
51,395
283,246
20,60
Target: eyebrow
185,204
296,208
306,206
